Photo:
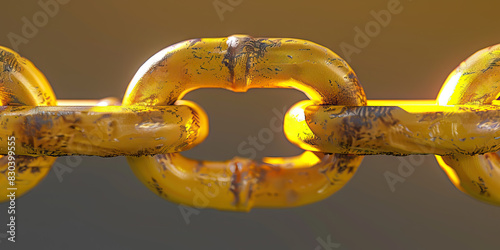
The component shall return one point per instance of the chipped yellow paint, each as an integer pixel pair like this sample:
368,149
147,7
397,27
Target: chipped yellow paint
336,127
476,81
394,130
103,130
238,63
21,83
42,129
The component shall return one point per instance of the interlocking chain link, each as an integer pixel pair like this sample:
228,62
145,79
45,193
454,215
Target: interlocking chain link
476,82
336,127
21,83
238,63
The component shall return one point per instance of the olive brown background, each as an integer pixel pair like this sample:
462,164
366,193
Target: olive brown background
91,49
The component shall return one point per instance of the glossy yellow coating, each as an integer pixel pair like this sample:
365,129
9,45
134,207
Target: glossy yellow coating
461,127
241,184
475,82
396,130
103,130
337,126
21,83
28,112
238,63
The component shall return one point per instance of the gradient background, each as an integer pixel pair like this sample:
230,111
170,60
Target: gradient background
91,49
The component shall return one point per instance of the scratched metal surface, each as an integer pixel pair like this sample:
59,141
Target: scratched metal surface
91,49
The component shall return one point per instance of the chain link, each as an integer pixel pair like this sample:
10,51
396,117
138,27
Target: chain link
21,83
336,127
238,63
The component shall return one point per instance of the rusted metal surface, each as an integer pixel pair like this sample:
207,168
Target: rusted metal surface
238,63
336,127
102,131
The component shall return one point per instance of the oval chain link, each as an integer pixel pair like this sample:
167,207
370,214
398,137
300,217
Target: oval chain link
336,127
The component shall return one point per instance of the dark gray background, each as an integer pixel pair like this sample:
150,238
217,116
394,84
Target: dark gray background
91,49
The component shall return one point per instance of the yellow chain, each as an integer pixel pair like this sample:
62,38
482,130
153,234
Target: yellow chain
336,127
238,63
21,84
476,82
